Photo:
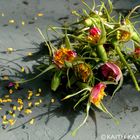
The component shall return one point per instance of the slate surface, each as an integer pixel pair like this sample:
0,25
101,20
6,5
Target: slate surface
60,121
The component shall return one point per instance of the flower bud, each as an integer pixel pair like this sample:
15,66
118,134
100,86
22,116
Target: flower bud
97,94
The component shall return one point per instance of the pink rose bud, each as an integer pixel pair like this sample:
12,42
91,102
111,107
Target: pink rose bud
111,71
97,93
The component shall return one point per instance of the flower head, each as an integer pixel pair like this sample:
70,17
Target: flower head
97,93
62,55
137,52
123,35
94,35
83,71
111,71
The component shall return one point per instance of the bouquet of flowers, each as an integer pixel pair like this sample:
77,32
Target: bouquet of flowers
91,54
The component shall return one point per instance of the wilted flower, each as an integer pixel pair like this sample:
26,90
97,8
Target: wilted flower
97,93
111,71
11,84
94,35
83,71
63,55
137,52
123,35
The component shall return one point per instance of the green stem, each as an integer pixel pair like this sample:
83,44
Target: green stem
101,52
126,64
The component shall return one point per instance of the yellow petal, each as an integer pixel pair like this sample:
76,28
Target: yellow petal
14,115
9,50
5,122
38,94
52,100
14,107
10,91
27,111
6,96
11,21
22,69
40,14
23,23
40,100
29,104
4,117
30,54
37,103
5,77
11,121
39,90
32,121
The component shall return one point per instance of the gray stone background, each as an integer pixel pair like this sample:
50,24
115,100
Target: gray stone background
59,122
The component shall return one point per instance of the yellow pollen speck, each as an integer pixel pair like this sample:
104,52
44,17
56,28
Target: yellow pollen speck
22,69
14,108
23,23
5,122
5,77
11,21
30,54
20,108
4,117
6,96
11,121
40,14
27,111
40,100
29,104
38,94
0,108
14,115
2,14
39,90
10,91
52,100
9,50
32,121
1,100
37,103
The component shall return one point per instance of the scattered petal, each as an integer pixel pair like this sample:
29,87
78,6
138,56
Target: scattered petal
11,21
23,23
40,14
14,108
22,69
30,104
32,121
10,50
30,54
11,91
27,111
11,121
38,94
52,100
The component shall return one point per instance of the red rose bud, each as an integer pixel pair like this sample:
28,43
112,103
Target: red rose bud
95,31
137,52
111,72
94,35
97,94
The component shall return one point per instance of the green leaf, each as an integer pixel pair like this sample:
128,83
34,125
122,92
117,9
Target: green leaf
82,99
74,94
52,66
104,109
56,80
86,117
67,42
